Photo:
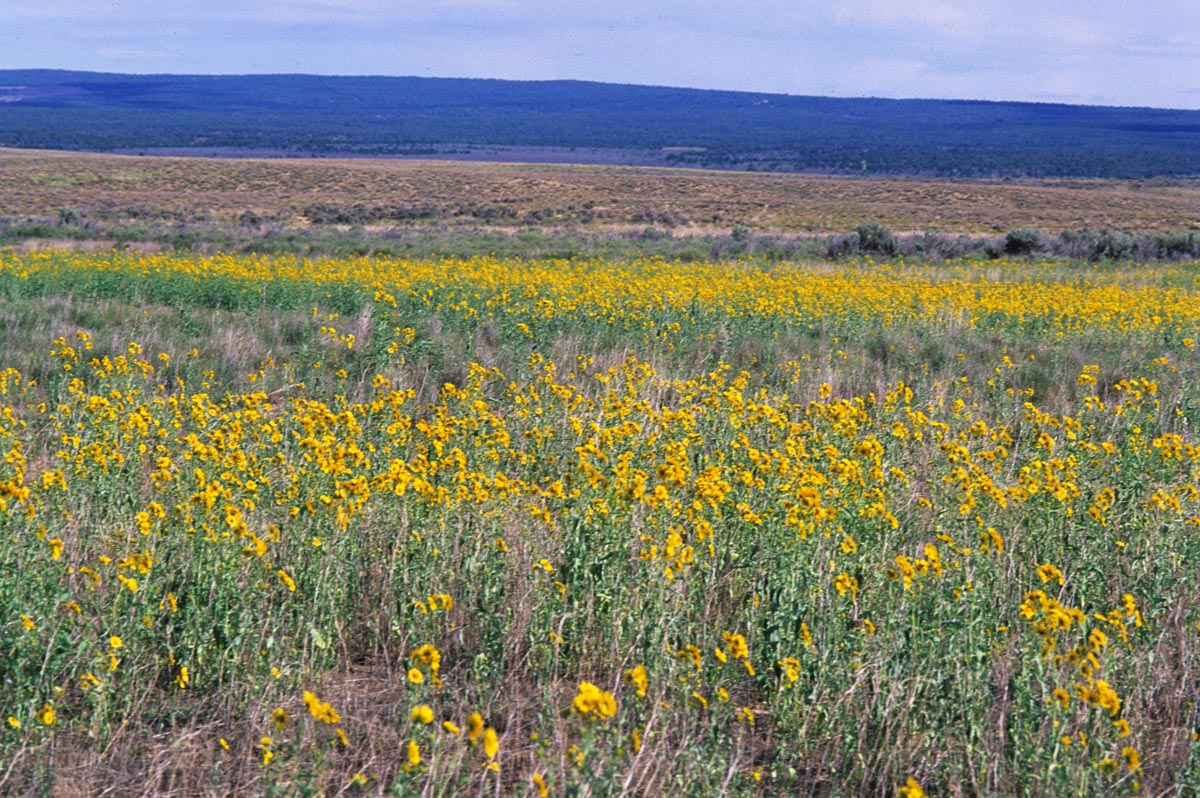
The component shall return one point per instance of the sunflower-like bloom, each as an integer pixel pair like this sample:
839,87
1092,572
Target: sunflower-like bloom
593,702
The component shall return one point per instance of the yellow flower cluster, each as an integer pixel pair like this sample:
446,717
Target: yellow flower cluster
592,702
734,490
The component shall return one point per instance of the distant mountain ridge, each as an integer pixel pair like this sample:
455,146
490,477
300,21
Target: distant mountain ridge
310,115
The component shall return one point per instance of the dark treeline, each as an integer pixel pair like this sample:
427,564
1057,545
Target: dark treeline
305,115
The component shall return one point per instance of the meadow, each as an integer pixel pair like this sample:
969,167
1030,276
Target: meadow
272,525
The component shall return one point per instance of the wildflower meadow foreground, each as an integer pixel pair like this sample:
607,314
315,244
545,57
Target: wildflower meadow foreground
271,526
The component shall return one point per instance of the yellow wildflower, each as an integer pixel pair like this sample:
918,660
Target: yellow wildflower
491,743
1047,572
474,727
1132,758
321,710
413,756
737,645
637,677
591,701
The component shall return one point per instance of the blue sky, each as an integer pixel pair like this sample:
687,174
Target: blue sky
1112,52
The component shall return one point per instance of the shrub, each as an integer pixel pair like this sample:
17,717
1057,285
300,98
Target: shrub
875,239
842,246
1023,241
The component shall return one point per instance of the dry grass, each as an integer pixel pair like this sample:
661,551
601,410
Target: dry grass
36,183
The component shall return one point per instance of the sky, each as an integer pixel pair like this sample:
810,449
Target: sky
1095,52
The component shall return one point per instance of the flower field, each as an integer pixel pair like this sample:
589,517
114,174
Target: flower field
582,528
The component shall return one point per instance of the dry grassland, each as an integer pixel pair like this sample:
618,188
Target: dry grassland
598,197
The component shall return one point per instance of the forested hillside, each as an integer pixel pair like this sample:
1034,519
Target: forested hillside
304,115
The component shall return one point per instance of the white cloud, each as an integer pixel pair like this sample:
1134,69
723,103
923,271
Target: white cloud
121,53
931,16
1081,34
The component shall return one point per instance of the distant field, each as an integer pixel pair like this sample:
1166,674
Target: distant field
389,192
